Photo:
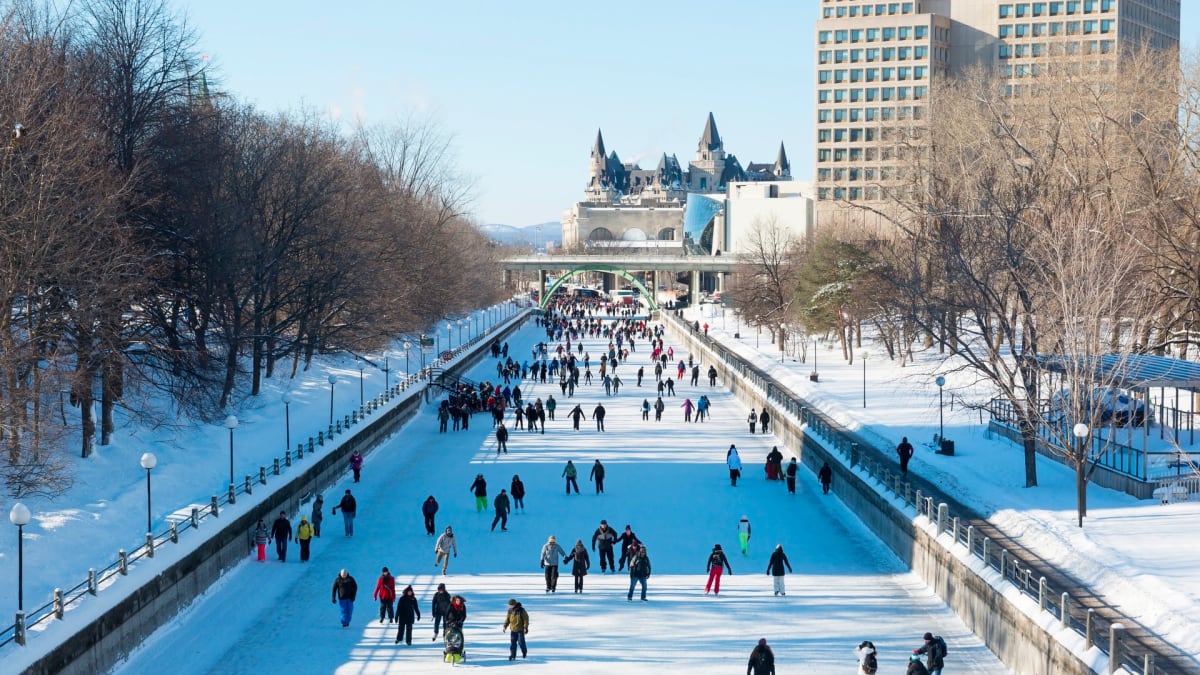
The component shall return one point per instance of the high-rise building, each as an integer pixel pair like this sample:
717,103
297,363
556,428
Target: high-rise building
875,62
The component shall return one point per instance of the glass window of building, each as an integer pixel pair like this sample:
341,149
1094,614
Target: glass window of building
1039,8
889,34
1022,10
855,74
1056,8
921,32
873,54
872,34
1005,11
889,53
904,32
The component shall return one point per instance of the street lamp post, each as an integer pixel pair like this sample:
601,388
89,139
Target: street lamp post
757,332
149,461
332,381
1081,431
287,419
782,344
940,382
360,383
863,355
449,336
19,515
231,423
407,347
460,340
387,378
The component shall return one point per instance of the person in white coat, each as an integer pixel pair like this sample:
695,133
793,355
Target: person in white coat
443,547
734,462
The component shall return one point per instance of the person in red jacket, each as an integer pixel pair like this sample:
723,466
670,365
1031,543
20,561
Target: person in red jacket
385,593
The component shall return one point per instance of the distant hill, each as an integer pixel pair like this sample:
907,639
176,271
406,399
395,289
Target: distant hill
549,233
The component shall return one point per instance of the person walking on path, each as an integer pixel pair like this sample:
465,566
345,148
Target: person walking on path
752,419
551,404
438,608
597,476
442,548
598,415
640,375
825,475
717,562
905,452
934,650
775,458
629,542
764,420
262,535
712,376
479,489
744,535
429,509
517,624
577,414
659,407
406,610
775,566
790,471
696,375
385,594
517,492
318,514
580,562
304,535
281,532
344,591
605,537
639,572
762,660
688,407
356,462
349,508
501,439
645,410
915,667
734,462
501,505
551,554
570,473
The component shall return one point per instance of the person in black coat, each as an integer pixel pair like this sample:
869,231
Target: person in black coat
762,660
775,567
790,472
502,506
597,475
281,532
627,539
580,562
605,537
502,439
429,509
764,419
825,475
406,610
517,492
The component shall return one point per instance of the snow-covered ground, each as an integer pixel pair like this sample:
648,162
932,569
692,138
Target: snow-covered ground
667,482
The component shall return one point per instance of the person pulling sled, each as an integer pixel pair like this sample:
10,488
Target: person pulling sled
454,650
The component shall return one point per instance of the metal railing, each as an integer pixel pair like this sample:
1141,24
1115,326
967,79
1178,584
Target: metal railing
1109,636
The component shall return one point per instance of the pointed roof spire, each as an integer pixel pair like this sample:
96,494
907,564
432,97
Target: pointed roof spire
710,139
598,148
782,166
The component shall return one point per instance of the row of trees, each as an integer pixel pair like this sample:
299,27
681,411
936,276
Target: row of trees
156,235
1059,217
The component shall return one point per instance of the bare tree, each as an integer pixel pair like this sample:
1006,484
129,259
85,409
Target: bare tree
764,286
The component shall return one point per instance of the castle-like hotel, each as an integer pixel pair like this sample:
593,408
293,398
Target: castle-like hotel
626,206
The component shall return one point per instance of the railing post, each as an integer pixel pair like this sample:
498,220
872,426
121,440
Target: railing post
1115,631
122,562
287,458
954,528
1148,665
320,438
215,510
19,629
943,512
918,502
59,604
1065,619
262,473
1003,562
299,451
971,539
195,517
93,585
175,532
249,484
1042,594
149,545
853,455
275,467
310,443
1089,629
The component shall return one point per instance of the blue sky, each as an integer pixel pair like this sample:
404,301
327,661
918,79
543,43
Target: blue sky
523,86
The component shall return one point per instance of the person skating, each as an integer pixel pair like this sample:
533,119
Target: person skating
639,572
349,507
517,492
429,510
406,609
629,542
744,535
762,660
580,563
605,538
905,452
640,375
570,473
551,554
659,407
598,415
597,476
551,404
304,535
734,462
356,462
915,667
517,624
501,505
717,562
752,419
775,567
577,414
825,475
790,472
868,658
712,376
688,407
479,489
262,535
442,548
775,459
438,607
501,439
764,420
645,410
934,651
385,595
344,591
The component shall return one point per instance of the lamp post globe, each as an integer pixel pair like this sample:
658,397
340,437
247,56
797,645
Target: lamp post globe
148,461
19,516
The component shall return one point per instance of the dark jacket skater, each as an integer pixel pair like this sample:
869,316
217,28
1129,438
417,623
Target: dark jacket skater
597,475
438,608
627,539
605,537
517,492
429,509
790,472
825,475
717,562
762,660
406,612
775,566
580,563
764,419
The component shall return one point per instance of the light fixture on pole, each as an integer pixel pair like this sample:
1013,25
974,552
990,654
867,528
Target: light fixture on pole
387,378
407,347
863,355
814,376
460,340
19,515
149,461
449,336
287,419
1081,432
940,382
231,423
782,344
332,381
